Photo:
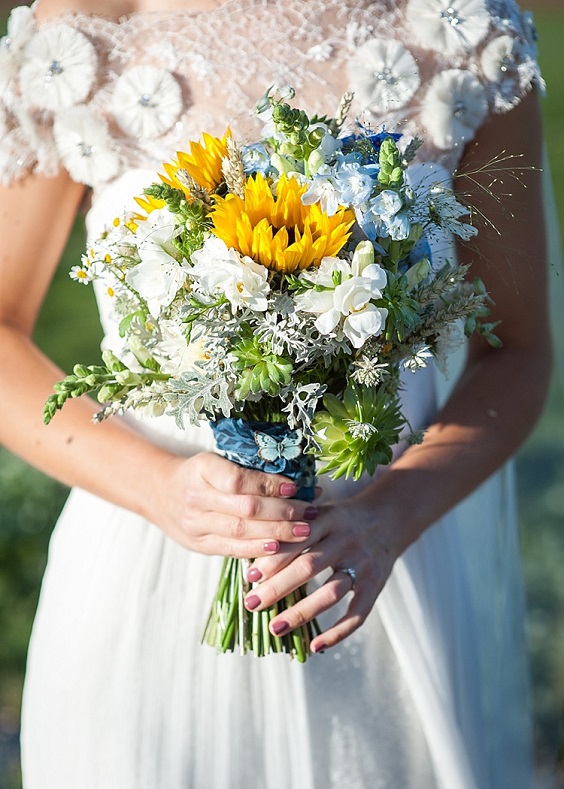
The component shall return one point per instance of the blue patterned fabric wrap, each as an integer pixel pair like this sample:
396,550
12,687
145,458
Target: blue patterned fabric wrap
270,447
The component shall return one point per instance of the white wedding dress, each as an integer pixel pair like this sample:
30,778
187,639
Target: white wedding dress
432,692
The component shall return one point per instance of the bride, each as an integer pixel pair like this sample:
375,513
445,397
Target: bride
422,678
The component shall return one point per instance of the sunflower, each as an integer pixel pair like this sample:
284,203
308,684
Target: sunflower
149,204
279,232
203,164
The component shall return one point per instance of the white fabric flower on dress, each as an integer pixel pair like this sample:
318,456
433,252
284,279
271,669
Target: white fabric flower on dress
21,26
454,107
59,68
383,74
146,101
451,26
499,58
85,146
3,122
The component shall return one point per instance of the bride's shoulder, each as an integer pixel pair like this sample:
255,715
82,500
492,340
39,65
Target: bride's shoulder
113,9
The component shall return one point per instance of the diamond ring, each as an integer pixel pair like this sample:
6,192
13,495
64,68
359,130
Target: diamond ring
348,571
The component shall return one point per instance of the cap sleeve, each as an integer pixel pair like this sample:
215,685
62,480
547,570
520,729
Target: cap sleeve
507,61
26,142
48,75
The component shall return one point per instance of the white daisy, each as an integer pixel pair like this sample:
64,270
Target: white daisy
59,68
499,58
81,274
146,101
85,146
383,74
454,107
453,26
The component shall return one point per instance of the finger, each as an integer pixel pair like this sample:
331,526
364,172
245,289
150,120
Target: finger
269,565
357,612
233,528
250,506
228,477
298,572
316,603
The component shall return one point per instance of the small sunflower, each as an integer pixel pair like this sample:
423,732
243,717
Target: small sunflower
149,204
279,231
203,164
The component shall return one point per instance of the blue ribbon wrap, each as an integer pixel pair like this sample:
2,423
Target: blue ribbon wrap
270,447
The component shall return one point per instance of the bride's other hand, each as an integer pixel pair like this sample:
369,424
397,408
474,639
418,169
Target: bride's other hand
352,534
213,506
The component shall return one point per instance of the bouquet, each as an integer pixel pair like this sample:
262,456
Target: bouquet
277,289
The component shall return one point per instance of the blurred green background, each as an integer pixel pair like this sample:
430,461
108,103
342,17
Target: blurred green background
29,502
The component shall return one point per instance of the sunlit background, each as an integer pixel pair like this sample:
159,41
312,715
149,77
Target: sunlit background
68,330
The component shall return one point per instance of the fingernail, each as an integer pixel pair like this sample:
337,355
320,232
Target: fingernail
252,602
311,513
318,491
271,547
288,489
319,648
254,575
279,627
301,530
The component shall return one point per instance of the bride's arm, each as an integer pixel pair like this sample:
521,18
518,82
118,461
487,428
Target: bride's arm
495,404
205,502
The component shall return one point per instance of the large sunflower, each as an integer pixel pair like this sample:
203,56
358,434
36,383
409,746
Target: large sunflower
203,164
279,231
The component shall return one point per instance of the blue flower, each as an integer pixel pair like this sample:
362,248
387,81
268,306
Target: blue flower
256,159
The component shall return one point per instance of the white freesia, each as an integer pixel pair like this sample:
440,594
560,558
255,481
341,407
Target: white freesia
383,74
454,107
175,354
157,281
345,293
146,101
59,68
453,26
85,146
159,276
217,269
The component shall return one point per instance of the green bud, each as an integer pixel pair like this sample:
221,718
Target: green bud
315,161
112,362
417,273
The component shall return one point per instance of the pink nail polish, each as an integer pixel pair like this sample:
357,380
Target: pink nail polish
288,489
301,530
319,648
252,601
311,513
254,575
271,547
279,627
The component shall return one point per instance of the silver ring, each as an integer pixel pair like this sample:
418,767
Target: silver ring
350,571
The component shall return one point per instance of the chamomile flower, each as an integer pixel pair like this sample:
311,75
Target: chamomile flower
82,274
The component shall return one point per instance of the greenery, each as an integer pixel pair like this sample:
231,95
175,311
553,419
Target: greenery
30,501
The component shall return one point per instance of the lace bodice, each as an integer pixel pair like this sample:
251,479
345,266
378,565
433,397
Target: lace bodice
100,97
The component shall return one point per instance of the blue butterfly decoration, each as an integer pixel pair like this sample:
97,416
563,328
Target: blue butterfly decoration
288,448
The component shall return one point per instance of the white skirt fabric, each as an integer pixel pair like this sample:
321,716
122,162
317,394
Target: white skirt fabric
431,693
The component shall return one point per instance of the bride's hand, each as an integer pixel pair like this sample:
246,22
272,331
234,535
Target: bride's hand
350,533
213,506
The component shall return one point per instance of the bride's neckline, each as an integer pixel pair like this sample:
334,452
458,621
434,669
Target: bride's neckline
139,16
